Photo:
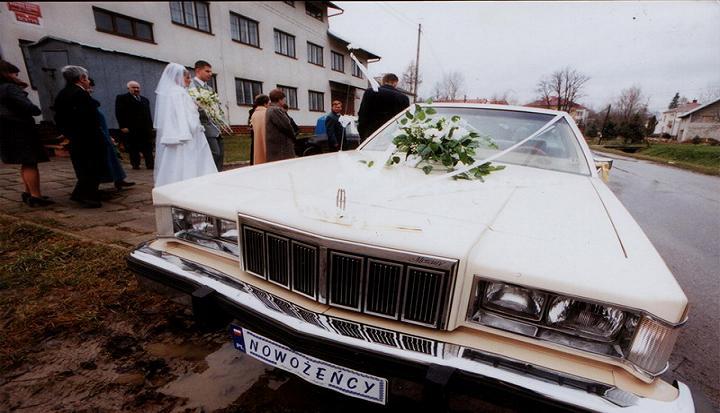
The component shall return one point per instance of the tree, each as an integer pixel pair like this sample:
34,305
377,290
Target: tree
710,93
630,103
450,87
506,96
566,84
651,124
632,130
407,79
592,130
674,101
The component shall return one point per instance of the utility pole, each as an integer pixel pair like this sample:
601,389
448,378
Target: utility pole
602,131
417,65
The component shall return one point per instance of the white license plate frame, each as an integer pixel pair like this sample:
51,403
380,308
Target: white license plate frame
331,376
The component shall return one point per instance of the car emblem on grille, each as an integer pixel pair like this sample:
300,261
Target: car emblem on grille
340,200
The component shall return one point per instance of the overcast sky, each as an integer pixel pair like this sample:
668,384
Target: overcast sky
663,47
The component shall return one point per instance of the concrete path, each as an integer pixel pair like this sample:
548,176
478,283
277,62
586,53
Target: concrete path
125,219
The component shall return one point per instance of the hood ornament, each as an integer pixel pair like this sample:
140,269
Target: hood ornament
340,200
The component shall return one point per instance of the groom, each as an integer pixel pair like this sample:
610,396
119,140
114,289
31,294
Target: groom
203,74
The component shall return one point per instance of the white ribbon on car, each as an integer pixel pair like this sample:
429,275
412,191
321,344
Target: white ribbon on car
373,83
475,164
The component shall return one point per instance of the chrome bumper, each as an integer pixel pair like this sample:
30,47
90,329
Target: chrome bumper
572,391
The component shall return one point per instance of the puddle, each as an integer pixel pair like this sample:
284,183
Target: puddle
229,375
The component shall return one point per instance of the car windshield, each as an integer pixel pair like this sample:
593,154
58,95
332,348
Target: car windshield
555,149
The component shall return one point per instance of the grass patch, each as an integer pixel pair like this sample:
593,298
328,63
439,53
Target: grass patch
698,158
51,285
237,148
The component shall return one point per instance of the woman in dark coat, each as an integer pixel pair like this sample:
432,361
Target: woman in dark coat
19,139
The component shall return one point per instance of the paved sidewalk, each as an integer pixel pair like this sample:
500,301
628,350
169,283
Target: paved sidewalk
125,219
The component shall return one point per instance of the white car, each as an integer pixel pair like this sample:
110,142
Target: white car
535,283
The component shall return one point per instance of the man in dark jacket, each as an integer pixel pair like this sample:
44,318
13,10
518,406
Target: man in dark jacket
76,117
333,128
135,121
378,107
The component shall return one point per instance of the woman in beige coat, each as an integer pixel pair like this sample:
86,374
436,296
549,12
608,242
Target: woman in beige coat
257,122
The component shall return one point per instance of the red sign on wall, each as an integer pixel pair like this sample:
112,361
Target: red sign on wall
31,9
26,12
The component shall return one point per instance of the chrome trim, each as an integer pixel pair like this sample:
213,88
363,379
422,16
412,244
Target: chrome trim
646,375
328,246
398,301
442,292
334,301
446,354
315,265
287,259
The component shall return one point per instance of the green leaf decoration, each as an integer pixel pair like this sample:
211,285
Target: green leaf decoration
370,164
409,115
403,121
430,111
420,115
427,169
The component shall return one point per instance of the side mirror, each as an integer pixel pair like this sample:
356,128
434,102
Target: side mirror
603,165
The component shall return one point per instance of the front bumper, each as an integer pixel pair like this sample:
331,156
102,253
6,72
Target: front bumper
389,354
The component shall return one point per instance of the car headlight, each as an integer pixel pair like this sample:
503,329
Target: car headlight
208,231
603,329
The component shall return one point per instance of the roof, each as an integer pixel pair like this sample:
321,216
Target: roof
542,103
684,108
370,55
699,107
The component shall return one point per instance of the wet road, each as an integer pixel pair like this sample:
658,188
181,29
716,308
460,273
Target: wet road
680,213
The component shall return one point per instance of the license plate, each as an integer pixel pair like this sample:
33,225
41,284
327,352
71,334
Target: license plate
343,380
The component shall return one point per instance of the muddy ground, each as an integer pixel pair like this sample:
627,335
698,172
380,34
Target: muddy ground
78,333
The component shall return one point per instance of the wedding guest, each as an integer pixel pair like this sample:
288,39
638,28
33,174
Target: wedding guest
132,112
203,74
279,134
333,127
296,128
182,150
19,139
76,118
257,123
376,108
116,174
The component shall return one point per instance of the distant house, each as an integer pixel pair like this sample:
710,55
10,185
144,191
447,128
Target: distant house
669,122
703,122
578,112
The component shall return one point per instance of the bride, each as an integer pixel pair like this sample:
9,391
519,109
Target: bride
181,152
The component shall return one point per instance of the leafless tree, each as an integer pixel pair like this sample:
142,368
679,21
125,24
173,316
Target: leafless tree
450,87
407,79
508,96
566,84
711,92
631,102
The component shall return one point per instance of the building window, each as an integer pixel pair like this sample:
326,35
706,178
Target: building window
317,101
244,30
338,62
120,25
356,70
193,14
315,54
290,96
313,10
246,91
284,43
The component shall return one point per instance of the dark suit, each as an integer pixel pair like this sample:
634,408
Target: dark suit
379,107
76,118
212,133
134,114
334,131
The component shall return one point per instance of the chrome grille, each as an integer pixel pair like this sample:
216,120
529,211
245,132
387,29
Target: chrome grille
304,268
392,284
382,288
417,344
423,295
347,328
345,280
278,260
377,335
254,250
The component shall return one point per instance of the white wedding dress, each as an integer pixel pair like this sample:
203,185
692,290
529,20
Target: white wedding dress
181,149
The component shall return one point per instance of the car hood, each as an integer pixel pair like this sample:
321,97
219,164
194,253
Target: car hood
529,226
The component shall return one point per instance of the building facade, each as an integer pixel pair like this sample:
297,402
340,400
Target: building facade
253,48
669,122
702,122
578,112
